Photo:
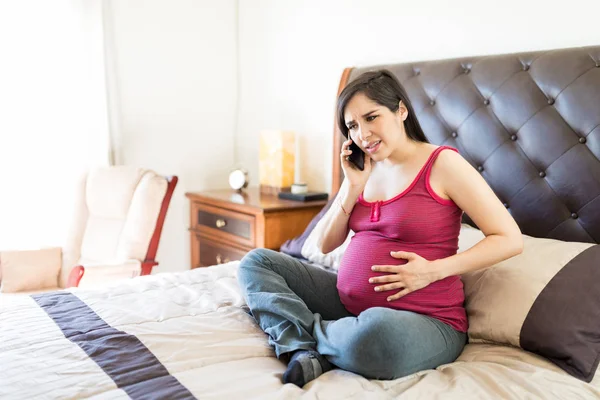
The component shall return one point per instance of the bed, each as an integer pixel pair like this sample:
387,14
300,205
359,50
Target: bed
529,122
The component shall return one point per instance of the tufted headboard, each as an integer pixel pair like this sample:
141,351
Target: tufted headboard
528,122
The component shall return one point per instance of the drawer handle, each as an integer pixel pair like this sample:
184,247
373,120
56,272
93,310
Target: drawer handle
221,223
220,260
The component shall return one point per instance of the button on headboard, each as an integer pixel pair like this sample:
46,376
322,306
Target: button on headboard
528,122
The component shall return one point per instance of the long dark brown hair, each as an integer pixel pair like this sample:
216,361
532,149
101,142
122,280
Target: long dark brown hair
383,88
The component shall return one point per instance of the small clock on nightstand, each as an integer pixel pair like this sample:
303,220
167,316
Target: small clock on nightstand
238,179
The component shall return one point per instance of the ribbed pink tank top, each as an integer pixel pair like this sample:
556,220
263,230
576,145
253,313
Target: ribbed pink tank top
416,220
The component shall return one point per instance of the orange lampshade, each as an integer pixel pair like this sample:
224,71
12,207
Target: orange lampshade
277,159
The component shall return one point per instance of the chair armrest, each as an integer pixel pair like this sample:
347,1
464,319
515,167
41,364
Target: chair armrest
97,275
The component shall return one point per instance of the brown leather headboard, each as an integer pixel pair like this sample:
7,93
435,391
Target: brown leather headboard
529,122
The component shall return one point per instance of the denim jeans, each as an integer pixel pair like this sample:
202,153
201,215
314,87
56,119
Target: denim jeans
298,306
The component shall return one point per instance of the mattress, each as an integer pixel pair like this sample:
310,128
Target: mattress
189,335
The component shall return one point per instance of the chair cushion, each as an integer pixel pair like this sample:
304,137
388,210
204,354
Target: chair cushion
101,275
123,204
142,216
108,195
29,270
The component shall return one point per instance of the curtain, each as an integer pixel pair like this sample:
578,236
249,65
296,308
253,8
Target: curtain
53,114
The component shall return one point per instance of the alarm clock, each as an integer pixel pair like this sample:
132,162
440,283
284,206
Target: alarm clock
238,179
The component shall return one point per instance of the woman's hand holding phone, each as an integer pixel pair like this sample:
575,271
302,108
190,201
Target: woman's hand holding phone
356,178
336,222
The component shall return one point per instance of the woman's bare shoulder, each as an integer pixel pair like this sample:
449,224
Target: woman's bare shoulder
449,159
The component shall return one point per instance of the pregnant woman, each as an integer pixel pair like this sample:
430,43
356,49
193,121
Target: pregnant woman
395,306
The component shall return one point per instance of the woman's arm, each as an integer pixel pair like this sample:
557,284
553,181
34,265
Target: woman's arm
335,220
467,188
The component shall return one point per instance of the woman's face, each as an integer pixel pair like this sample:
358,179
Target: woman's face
376,129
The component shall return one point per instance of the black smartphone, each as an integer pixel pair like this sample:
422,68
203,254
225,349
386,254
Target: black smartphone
357,157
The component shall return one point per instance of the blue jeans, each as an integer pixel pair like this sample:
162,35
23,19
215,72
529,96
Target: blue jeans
298,306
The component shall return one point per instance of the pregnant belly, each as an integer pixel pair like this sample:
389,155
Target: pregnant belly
356,293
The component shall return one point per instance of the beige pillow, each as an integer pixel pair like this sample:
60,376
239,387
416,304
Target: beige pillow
545,300
28,270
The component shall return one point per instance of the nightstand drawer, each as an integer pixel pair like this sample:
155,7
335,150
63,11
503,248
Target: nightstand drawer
214,253
224,224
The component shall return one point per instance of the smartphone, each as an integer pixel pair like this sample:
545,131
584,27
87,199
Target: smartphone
357,157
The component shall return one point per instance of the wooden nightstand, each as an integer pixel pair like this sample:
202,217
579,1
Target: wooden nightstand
224,224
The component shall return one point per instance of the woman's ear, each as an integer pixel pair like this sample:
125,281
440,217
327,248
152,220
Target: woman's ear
402,110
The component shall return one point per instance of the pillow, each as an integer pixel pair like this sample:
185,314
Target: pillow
305,245
29,270
311,251
293,247
545,300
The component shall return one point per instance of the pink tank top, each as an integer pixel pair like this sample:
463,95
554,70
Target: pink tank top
416,220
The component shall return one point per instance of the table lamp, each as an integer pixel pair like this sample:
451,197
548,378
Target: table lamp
276,161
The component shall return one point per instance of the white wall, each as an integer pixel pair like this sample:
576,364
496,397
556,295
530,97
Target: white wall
172,93
293,53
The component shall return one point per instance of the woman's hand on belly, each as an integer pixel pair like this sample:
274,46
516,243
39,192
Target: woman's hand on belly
414,275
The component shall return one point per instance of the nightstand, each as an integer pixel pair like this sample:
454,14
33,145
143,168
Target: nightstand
225,224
